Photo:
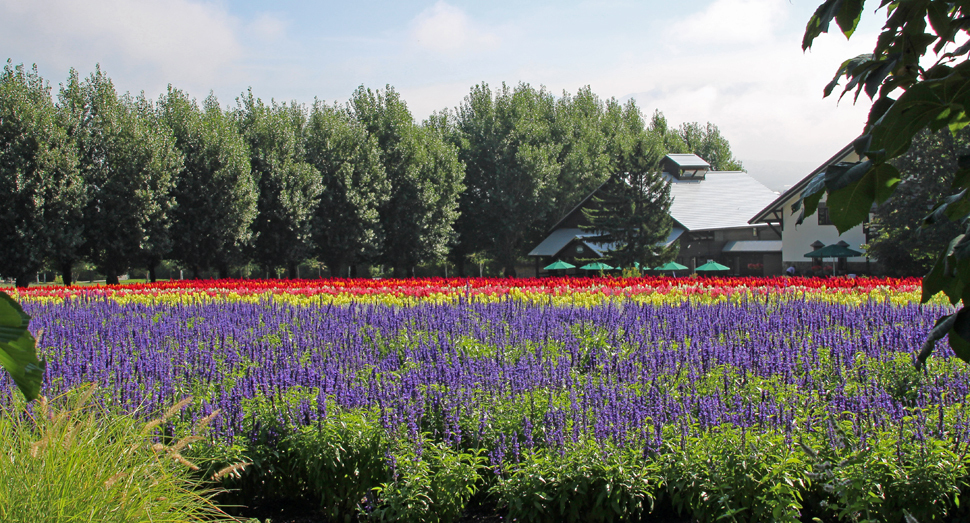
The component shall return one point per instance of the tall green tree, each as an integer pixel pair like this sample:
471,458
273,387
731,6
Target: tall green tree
425,178
289,187
354,187
40,186
909,94
672,141
898,241
707,142
581,129
215,192
129,163
512,165
631,210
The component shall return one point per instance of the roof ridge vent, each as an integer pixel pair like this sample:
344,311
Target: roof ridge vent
685,166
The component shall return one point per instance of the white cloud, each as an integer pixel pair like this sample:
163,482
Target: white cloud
729,22
173,39
268,27
446,29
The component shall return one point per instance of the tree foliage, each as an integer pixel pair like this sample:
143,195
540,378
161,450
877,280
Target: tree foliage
289,187
908,96
354,187
898,241
512,164
425,178
129,163
631,211
40,186
215,193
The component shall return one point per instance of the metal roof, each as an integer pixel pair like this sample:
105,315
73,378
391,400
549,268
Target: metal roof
753,246
560,238
724,200
688,160
557,240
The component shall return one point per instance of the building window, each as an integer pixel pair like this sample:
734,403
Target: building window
823,215
579,249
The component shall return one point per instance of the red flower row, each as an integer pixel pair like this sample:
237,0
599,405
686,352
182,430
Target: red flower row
425,286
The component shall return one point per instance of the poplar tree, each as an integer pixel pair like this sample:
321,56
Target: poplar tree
424,175
129,163
346,227
215,192
289,188
41,190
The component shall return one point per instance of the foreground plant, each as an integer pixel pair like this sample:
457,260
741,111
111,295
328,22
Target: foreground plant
69,460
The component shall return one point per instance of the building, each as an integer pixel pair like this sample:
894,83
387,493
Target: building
798,240
711,212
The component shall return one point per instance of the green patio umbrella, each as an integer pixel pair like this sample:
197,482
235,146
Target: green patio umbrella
596,266
836,250
712,265
671,266
558,265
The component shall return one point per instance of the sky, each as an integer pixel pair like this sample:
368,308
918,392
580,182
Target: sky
735,63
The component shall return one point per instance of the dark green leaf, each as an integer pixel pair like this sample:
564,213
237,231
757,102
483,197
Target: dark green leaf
19,358
914,110
850,205
849,15
842,175
819,22
960,334
13,319
953,208
861,144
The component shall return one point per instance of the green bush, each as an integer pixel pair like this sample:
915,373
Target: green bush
586,483
69,460
432,487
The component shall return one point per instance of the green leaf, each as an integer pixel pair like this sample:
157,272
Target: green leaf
19,358
850,205
843,174
915,109
953,208
849,15
18,354
13,319
819,22
959,334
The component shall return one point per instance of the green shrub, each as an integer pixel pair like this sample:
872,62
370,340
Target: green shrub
587,483
432,487
69,460
735,475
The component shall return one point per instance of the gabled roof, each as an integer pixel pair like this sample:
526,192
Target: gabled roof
795,190
557,240
560,238
724,200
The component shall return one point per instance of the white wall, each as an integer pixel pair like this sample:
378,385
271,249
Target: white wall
797,241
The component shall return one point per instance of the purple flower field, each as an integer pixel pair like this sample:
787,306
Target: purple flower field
516,382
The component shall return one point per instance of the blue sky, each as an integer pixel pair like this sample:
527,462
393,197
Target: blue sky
736,63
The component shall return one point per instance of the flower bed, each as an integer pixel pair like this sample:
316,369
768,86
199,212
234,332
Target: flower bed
598,399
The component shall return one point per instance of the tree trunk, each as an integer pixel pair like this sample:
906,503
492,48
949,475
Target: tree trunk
66,274
353,271
509,271
291,270
23,281
152,277
111,277
223,271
